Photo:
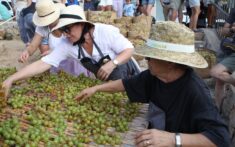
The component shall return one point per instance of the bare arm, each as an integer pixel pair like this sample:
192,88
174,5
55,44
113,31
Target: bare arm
33,46
162,138
125,55
28,71
112,86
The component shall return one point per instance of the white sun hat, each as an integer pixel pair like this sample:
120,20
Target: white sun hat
173,42
71,14
46,12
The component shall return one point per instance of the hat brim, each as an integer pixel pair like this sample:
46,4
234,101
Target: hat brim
47,20
66,21
189,59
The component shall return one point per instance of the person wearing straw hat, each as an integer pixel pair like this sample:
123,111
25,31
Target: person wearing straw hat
101,48
110,63
170,84
46,17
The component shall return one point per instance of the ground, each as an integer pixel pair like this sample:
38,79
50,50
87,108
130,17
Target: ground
10,52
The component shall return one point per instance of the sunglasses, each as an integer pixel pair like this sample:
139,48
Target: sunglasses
66,29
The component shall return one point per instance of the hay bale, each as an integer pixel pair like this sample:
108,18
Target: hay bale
2,34
106,17
210,57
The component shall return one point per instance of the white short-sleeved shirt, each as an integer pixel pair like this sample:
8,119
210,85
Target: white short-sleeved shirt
52,40
43,31
109,39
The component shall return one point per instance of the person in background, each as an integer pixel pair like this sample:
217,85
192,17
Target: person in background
166,8
129,9
118,7
89,5
173,90
72,2
105,5
25,23
195,7
42,34
222,71
147,6
211,13
176,7
107,55
4,13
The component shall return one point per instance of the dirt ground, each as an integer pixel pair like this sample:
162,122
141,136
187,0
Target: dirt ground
10,51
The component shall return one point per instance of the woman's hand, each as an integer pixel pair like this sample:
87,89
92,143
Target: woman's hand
84,94
6,86
155,138
24,56
105,70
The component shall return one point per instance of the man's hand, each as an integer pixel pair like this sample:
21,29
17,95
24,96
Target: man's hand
6,86
24,57
155,138
105,70
84,94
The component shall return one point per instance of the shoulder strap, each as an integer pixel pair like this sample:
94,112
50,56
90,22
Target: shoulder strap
98,49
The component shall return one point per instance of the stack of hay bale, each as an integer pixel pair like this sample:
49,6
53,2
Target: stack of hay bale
136,29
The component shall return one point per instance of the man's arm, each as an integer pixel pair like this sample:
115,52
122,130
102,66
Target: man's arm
28,71
112,86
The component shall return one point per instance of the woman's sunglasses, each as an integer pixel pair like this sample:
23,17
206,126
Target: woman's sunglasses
66,29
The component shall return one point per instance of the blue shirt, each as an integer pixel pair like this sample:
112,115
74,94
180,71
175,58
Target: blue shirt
74,2
4,13
129,10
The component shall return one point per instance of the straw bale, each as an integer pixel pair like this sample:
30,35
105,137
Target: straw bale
123,29
137,30
127,21
101,16
210,57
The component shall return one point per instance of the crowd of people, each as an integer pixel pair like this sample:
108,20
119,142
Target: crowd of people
186,114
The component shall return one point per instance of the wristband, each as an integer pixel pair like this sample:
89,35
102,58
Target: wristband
178,140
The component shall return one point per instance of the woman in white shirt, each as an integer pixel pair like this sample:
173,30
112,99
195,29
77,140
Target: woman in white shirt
112,63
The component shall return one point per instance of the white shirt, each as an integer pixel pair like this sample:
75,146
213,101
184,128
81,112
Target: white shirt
45,33
109,39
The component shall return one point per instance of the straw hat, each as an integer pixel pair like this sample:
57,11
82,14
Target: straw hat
46,12
71,14
173,42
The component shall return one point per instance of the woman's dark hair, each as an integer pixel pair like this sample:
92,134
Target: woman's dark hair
86,28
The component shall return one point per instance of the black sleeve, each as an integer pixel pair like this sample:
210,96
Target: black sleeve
231,18
137,87
206,118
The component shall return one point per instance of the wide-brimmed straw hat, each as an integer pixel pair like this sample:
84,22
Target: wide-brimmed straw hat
46,12
71,14
173,42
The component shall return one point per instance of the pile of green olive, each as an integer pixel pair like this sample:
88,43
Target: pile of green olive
53,117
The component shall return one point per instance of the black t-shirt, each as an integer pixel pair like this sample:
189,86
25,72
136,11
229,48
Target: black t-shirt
231,18
186,102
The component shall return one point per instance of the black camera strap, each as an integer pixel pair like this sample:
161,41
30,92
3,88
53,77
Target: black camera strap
81,52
